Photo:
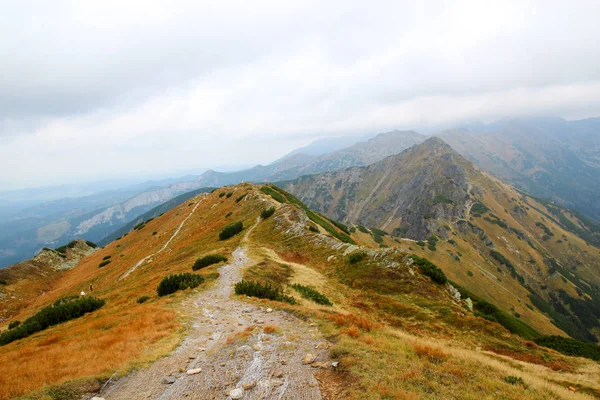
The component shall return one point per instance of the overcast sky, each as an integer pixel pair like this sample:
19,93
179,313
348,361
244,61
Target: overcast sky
97,89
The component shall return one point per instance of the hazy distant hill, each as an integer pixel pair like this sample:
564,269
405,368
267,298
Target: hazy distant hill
549,157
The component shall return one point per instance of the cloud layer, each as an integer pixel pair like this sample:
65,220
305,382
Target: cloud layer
99,89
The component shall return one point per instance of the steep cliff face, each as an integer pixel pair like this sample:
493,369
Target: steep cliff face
408,193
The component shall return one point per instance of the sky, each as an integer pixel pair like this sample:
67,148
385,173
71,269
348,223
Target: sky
113,89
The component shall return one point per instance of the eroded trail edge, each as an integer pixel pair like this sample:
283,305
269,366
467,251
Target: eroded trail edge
229,343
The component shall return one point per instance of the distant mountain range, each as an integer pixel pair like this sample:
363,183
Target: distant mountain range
98,216
490,237
549,157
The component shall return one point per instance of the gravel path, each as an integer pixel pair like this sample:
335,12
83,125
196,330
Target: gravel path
228,343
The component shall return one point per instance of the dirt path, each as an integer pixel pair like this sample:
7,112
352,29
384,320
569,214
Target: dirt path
143,260
227,341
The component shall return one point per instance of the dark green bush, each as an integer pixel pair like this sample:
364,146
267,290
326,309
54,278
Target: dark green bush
313,228
513,380
312,294
230,230
61,311
3,282
570,347
274,194
342,227
221,194
142,299
91,244
172,283
228,195
63,249
14,324
469,273
103,263
420,243
267,212
228,214
492,313
356,257
430,269
106,258
154,233
362,229
256,289
441,199
237,200
208,260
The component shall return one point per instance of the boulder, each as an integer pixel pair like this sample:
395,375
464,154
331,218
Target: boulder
236,393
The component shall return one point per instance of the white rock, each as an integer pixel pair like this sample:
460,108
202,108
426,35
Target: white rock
236,393
269,310
194,371
335,364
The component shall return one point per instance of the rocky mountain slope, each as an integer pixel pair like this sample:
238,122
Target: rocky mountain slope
25,281
549,157
391,326
485,234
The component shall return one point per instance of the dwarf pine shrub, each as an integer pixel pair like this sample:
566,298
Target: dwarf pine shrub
231,230
266,213
63,310
207,260
311,294
256,289
172,283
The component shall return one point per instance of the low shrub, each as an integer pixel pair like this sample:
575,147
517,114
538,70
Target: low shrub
103,263
267,212
14,324
221,194
570,347
231,230
513,380
172,283
256,289
430,269
311,294
91,244
63,310
106,258
228,214
356,257
228,195
420,243
3,282
363,229
142,299
237,200
431,353
139,226
207,260
342,227
313,228
154,233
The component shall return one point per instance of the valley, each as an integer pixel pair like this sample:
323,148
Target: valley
391,330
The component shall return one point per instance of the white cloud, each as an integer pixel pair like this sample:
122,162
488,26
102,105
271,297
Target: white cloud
97,89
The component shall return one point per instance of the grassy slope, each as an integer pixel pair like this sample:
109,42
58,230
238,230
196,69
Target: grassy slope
396,334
